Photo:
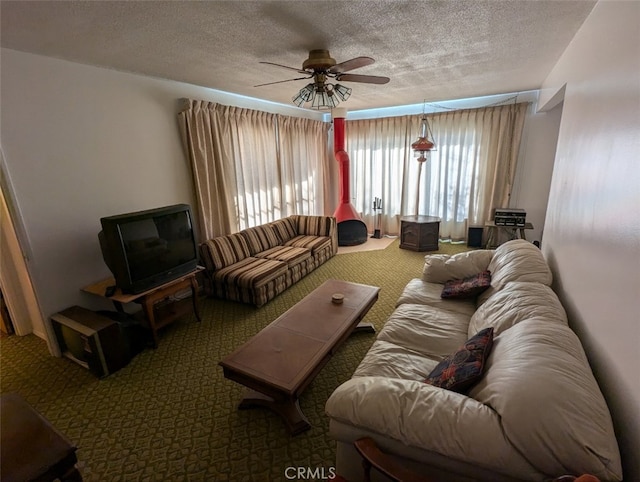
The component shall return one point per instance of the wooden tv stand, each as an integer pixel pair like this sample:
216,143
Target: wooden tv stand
158,304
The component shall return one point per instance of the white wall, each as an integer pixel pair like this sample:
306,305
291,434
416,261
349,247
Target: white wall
535,167
81,142
592,230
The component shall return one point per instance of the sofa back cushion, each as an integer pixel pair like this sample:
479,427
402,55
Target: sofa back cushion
516,260
539,382
314,225
260,238
440,268
285,229
223,251
515,302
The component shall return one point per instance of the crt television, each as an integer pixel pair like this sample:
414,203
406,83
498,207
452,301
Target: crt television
90,340
148,248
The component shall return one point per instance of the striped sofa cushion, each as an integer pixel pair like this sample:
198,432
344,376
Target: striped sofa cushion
251,272
223,251
269,290
312,243
287,254
285,229
314,225
260,238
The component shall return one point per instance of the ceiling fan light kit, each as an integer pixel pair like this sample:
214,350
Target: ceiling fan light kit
320,67
341,91
322,100
305,95
322,95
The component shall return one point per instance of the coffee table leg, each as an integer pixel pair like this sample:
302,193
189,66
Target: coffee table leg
366,327
288,409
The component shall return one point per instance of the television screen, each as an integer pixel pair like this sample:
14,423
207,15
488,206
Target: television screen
73,344
148,248
157,244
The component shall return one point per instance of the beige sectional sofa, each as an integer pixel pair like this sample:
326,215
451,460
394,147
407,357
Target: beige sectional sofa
256,264
535,414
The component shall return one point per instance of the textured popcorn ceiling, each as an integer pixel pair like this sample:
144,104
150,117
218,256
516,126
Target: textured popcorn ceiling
431,50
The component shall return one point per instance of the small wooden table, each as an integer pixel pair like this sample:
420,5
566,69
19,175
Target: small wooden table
157,312
419,233
493,233
30,447
280,361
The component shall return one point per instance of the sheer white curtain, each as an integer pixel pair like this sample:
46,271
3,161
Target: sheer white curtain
258,179
381,160
469,174
252,167
304,155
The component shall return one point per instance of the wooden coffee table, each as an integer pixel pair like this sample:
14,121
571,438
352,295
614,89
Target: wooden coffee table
279,362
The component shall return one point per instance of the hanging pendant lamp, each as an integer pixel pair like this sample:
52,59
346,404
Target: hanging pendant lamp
424,144
422,147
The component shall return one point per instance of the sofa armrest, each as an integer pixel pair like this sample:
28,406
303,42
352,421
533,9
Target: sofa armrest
428,418
333,234
374,457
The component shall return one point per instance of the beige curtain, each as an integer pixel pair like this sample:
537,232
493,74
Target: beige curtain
206,139
470,173
500,134
381,161
257,173
304,154
251,167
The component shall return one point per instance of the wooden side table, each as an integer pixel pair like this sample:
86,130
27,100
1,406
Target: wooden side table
159,304
419,233
493,233
31,448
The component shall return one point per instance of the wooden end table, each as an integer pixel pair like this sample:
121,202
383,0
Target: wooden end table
157,304
419,233
280,361
493,233
31,448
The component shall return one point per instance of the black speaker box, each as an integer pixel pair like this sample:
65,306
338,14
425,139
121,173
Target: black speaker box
474,237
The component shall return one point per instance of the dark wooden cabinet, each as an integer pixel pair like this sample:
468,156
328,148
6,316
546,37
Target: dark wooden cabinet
419,233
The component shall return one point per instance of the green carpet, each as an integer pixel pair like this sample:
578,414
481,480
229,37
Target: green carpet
171,415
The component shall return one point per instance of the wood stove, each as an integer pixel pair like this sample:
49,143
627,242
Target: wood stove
351,229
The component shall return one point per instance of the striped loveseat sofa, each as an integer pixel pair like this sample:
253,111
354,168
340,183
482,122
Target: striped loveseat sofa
257,264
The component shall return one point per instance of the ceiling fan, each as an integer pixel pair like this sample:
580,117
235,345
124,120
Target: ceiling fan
321,67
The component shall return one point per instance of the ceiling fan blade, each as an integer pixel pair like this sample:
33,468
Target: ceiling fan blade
285,67
367,79
281,81
351,64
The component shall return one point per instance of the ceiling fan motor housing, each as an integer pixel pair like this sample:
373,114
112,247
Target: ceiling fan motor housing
318,60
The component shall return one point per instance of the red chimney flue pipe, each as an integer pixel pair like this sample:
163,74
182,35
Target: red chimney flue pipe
351,229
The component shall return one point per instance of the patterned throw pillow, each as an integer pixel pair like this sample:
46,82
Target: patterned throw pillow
461,370
467,287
